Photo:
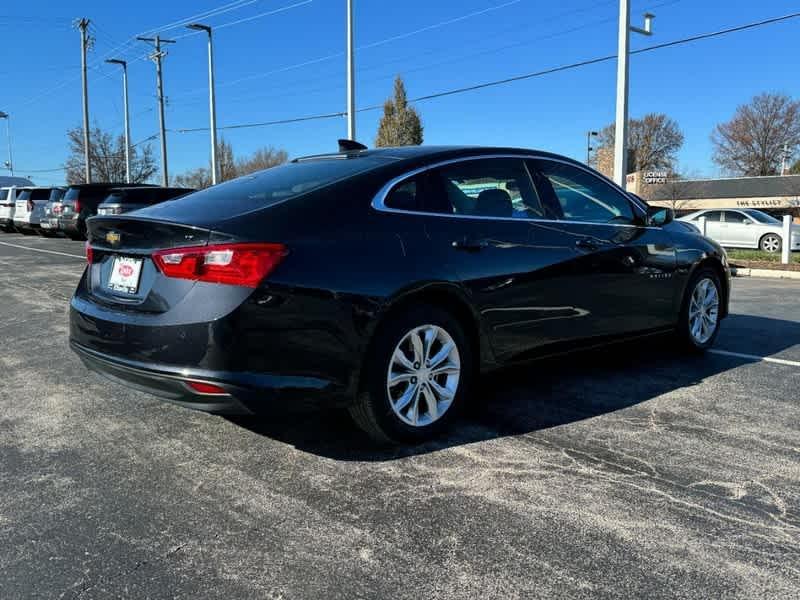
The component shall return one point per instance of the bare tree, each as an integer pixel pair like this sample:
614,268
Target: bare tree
107,156
752,142
400,124
653,143
265,158
795,168
230,167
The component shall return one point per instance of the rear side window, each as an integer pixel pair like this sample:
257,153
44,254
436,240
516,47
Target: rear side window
405,196
492,187
735,217
24,195
712,215
582,196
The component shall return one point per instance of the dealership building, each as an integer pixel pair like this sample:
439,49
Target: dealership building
777,195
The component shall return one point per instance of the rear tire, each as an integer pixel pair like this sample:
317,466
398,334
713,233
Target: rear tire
699,322
404,398
771,243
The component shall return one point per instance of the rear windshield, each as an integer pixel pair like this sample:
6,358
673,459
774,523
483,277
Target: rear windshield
56,194
265,188
24,195
72,194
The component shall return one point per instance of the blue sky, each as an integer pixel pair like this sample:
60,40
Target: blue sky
290,64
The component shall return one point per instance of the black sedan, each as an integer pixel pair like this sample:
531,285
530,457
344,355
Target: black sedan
384,281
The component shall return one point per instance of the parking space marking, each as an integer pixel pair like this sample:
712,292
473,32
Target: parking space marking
43,250
769,359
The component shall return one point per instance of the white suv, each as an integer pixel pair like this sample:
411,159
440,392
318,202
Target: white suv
744,228
30,208
8,199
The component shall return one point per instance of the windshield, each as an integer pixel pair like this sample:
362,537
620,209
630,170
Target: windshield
762,217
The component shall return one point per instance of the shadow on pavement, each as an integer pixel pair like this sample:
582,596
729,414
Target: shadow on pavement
540,395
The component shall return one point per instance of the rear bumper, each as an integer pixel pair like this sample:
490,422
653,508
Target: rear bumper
69,224
247,392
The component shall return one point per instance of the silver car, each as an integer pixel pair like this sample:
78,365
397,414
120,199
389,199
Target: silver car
744,228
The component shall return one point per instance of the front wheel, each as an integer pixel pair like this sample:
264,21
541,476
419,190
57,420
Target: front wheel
700,314
417,378
770,243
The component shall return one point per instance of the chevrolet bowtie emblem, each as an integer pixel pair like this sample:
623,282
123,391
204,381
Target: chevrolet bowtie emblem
112,237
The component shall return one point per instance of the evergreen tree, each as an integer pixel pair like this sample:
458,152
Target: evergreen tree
401,124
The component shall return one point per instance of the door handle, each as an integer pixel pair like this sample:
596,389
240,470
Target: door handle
470,245
587,244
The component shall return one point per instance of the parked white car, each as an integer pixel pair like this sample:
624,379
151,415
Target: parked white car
744,228
30,208
8,200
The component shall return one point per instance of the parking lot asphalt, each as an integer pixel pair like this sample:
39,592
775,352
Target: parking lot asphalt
631,472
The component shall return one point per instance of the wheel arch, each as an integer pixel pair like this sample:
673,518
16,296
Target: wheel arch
447,296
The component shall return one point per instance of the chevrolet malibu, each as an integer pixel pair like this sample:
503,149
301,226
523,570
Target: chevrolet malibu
384,281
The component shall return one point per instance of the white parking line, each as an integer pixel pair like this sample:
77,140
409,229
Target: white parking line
778,361
43,250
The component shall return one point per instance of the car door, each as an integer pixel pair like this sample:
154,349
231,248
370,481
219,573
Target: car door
481,214
622,272
713,225
740,230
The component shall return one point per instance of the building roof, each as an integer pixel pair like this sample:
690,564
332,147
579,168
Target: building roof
739,187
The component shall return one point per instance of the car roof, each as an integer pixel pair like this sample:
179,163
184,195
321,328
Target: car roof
399,153
90,186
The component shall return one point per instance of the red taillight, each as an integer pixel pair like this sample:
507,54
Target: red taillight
89,253
77,206
206,388
233,264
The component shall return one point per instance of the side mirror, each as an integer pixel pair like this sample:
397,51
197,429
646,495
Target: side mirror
658,216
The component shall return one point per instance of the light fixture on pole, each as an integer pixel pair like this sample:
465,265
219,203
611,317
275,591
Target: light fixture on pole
10,161
589,136
212,102
124,65
623,55
351,84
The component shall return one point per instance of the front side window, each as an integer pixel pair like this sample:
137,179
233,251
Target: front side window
762,217
491,187
582,196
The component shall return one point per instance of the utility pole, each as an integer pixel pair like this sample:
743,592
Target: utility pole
351,86
589,135
784,158
623,56
156,56
10,162
212,102
83,25
124,65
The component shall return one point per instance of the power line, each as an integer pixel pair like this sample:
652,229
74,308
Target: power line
251,18
498,82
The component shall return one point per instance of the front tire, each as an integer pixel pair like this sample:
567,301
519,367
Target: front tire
770,243
700,313
417,377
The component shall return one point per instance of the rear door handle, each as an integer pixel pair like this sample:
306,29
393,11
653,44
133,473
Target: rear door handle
587,244
470,245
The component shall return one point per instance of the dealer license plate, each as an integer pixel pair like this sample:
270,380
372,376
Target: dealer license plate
125,273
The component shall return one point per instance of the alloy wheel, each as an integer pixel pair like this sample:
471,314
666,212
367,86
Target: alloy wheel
704,311
423,375
771,243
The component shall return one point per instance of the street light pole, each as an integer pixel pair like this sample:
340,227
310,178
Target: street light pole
83,25
212,102
157,56
7,117
589,135
351,86
124,66
623,55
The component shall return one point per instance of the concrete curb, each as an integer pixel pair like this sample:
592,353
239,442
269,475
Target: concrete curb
768,273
